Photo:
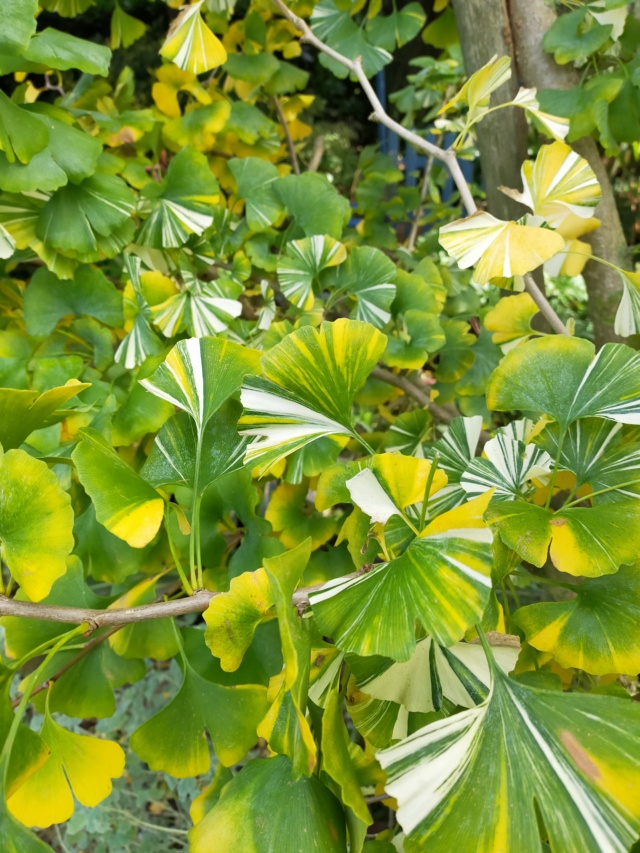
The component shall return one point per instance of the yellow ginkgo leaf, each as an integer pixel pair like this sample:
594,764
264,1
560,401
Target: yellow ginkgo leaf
570,261
77,763
558,183
172,80
191,45
510,320
476,92
496,248
555,126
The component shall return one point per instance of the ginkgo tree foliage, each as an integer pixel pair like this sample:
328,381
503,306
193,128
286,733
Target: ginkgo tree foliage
364,487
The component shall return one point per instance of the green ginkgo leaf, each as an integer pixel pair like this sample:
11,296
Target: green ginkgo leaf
263,810
509,467
311,379
369,276
385,695
174,742
589,541
314,203
22,135
174,455
420,334
560,760
301,264
125,29
560,378
594,450
127,505
29,751
73,150
77,765
255,180
182,204
204,307
17,25
22,412
40,173
52,48
36,523
47,300
199,374
443,580
333,24
597,631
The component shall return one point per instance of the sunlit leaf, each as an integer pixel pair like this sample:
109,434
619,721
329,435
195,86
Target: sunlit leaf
509,467
302,262
190,44
510,320
22,412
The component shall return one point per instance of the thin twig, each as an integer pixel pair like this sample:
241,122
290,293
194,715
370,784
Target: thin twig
446,156
317,154
415,225
293,156
442,413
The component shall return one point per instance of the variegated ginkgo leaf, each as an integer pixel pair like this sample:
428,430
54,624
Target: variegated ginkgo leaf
559,377
455,451
7,243
488,778
408,433
559,182
368,275
510,320
384,695
509,467
598,631
190,44
555,126
182,204
627,320
199,374
203,306
476,92
311,379
496,248
301,264
442,580
268,310
141,341
594,451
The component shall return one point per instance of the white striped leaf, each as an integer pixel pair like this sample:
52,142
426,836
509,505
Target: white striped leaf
385,695
455,451
485,779
627,320
199,374
368,275
442,580
554,126
301,264
7,243
498,249
559,377
190,44
476,92
407,433
593,449
311,379
141,341
182,204
509,467
203,306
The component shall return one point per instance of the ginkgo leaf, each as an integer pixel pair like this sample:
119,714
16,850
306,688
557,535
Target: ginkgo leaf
289,517
182,204
312,377
477,91
17,25
559,377
7,243
596,631
125,29
264,810
77,766
589,541
568,752
125,504
442,580
140,342
554,126
384,693
285,727
557,183
496,248
510,320
199,374
233,617
302,262
255,180
22,411
627,320
455,451
155,638
36,523
369,276
22,134
190,44
593,450
509,467
202,306
173,741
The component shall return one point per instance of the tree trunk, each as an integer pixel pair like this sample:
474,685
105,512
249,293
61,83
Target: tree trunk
502,137
530,20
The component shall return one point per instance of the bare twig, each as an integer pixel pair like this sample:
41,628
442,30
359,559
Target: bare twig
442,413
317,154
446,156
415,226
293,156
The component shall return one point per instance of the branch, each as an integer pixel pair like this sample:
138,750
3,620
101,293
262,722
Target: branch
293,156
442,413
446,156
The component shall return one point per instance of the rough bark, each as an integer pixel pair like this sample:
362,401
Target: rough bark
502,136
530,20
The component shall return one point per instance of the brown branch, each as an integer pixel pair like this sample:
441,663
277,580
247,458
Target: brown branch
443,413
446,156
293,156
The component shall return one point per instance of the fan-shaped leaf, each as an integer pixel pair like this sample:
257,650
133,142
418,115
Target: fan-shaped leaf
509,467
190,44
301,264
22,412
